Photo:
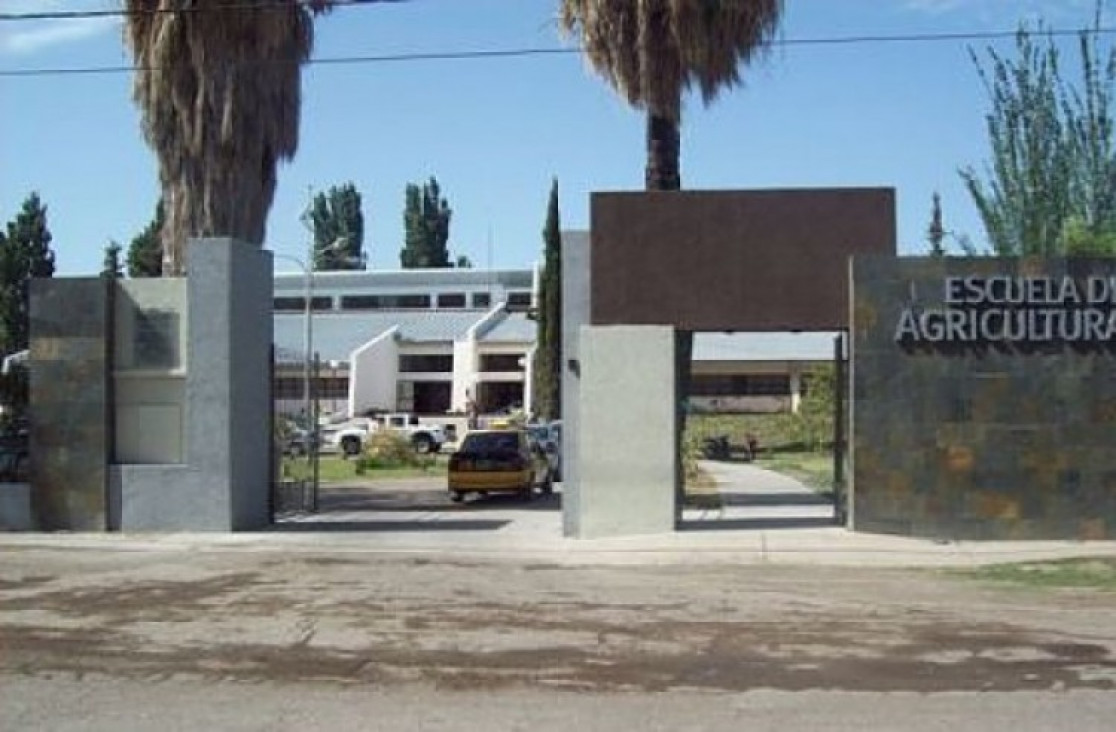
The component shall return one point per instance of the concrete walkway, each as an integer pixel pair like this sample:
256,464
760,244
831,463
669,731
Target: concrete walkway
764,518
756,499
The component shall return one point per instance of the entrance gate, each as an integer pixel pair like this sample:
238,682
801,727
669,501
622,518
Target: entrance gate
664,263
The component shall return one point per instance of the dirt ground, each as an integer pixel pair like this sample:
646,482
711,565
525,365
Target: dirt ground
384,620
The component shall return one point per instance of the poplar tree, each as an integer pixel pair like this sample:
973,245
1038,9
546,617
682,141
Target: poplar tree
1050,187
338,225
426,222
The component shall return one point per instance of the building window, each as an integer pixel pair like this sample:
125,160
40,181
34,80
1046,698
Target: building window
288,387
425,363
385,302
482,300
333,387
298,304
519,300
740,385
451,300
502,362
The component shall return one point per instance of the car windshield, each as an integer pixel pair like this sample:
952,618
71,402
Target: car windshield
480,442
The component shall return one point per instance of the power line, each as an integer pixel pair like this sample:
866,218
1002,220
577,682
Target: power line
553,51
187,10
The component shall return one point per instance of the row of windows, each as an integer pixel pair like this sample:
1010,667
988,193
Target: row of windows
434,364
290,387
702,386
400,301
428,364
744,385
502,362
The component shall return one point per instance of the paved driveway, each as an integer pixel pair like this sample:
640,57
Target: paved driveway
751,498
763,517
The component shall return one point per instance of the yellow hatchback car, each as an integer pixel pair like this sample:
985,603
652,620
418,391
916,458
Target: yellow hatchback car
498,461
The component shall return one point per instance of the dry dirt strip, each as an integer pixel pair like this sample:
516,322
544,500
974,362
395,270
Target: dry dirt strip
380,621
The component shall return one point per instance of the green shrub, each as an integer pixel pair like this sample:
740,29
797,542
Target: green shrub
814,424
385,449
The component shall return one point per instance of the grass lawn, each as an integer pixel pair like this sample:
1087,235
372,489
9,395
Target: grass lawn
814,469
779,448
335,469
1098,573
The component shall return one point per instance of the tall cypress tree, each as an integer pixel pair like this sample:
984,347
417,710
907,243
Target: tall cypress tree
547,373
112,268
25,253
145,253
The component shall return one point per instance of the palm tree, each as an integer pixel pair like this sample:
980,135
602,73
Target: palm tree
652,51
219,88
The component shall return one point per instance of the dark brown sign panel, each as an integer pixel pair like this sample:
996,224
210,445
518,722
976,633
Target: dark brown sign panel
733,260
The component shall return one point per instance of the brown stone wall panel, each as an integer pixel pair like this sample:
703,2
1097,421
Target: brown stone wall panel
69,369
733,260
1019,442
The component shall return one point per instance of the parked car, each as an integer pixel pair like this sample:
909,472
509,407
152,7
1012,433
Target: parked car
555,429
349,437
548,435
499,461
15,462
297,442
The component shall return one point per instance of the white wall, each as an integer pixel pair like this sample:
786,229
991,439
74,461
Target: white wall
150,400
466,359
373,372
464,373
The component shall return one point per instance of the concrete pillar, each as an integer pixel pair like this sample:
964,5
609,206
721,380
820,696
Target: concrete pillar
575,314
224,482
627,463
71,396
795,387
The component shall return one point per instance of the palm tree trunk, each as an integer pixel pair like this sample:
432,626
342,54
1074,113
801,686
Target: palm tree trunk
663,174
663,151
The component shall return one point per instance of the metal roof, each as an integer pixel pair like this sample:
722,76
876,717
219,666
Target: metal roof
515,328
332,282
782,346
337,335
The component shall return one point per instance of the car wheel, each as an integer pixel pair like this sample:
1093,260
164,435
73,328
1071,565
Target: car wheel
457,496
422,443
527,491
350,446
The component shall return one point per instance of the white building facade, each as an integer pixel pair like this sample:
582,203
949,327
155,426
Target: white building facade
426,341
430,341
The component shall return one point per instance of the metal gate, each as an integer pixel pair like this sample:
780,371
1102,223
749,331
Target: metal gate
840,430
294,419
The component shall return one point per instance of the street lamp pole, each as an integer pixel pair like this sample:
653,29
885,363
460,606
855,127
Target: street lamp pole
307,268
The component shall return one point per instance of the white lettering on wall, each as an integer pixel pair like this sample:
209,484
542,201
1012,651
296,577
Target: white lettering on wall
1014,310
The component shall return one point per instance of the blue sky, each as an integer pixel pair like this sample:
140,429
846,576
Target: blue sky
495,131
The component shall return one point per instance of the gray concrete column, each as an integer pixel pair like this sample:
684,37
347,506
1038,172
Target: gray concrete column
575,313
223,484
627,463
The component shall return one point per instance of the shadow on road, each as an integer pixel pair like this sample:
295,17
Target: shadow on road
326,526
774,499
756,524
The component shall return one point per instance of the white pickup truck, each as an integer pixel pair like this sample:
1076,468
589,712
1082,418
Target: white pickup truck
349,437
